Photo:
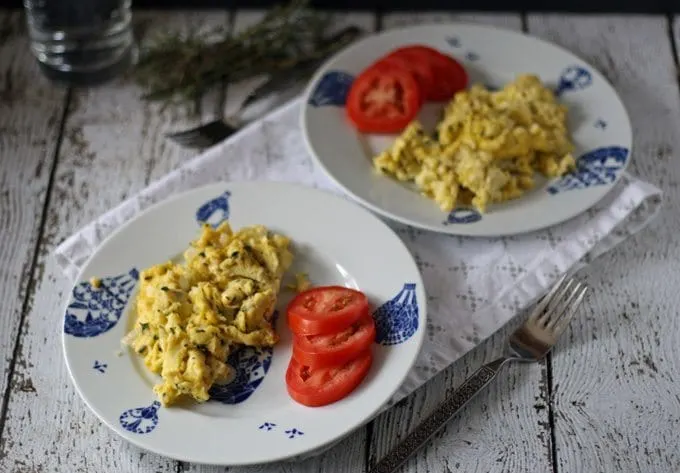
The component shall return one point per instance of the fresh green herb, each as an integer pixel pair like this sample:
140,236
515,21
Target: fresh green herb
141,350
202,254
164,288
234,254
182,69
172,330
144,326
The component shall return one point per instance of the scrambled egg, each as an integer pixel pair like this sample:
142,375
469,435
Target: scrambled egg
488,146
191,316
301,283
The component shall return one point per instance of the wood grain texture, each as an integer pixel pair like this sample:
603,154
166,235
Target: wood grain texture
505,428
349,455
615,403
31,110
113,146
615,375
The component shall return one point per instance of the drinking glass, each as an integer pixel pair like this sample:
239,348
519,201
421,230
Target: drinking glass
81,42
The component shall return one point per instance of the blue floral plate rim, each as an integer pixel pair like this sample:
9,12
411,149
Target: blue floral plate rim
483,49
128,406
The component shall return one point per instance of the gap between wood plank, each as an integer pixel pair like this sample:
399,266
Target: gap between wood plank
32,282
548,359
551,411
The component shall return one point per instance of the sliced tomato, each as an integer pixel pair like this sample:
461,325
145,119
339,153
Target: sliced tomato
449,76
421,70
383,99
316,387
453,73
326,309
317,351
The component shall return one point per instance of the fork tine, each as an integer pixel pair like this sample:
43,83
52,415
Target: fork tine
544,318
184,135
540,307
205,135
562,320
181,135
192,140
562,302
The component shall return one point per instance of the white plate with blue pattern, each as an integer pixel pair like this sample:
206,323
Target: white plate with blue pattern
251,420
598,122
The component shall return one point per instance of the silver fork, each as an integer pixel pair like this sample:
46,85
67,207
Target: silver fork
531,342
213,132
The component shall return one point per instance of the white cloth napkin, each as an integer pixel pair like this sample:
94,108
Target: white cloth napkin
474,285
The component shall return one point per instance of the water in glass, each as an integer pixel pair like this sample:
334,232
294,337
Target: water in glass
81,41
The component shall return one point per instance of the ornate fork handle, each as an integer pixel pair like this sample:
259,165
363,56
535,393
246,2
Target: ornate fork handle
442,414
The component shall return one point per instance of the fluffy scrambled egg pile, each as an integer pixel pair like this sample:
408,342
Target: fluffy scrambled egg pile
488,146
191,316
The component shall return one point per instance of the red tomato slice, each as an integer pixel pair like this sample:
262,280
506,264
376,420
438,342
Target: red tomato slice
448,75
318,351
420,69
386,66
383,99
453,73
325,309
316,387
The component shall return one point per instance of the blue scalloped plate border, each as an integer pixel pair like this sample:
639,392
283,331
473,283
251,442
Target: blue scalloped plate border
254,407
602,132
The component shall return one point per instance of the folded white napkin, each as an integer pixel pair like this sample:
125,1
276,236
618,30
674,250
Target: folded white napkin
474,285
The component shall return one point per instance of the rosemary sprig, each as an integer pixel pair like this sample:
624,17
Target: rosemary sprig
181,69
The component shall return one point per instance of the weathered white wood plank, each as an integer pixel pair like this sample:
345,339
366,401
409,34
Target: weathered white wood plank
615,375
349,455
30,114
506,427
502,20
113,146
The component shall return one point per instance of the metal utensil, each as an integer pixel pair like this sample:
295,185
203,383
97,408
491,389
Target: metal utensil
531,342
211,133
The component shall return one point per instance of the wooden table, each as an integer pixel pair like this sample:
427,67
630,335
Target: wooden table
605,401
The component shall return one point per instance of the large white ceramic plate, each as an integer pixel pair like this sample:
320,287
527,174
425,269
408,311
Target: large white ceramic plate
251,420
597,119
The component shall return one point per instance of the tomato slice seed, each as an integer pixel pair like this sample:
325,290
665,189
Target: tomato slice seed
336,348
325,309
383,99
321,386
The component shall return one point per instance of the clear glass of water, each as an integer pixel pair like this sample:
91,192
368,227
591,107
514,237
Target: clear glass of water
81,42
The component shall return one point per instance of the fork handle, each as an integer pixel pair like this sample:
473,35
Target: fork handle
441,415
